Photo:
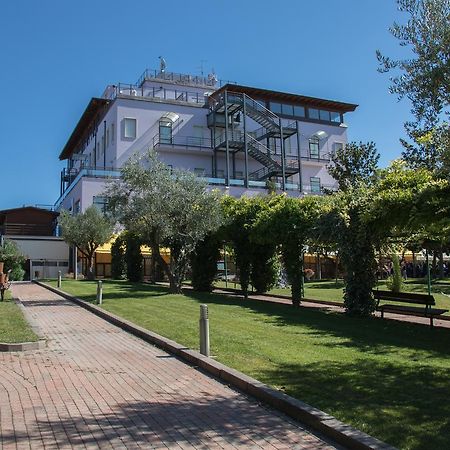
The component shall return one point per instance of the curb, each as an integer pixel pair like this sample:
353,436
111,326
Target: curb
22,346
316,419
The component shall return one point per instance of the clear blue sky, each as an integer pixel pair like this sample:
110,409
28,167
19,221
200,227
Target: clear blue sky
56,55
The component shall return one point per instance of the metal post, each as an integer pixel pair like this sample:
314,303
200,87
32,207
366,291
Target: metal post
299,157
428,274
99,292
244,114
283,158
225,266
59,279
75,263
204,330
227,147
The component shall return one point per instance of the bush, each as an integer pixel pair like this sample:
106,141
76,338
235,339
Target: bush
264,268
133,257
13,259
395,281
204,263
118,262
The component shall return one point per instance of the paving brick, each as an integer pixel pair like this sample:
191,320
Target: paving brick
96,386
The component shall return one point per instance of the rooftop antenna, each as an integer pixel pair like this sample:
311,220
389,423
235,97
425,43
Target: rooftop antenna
212,77
201,66
162,64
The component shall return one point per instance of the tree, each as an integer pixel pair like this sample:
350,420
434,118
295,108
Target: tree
13,259
424,78
204,263
287,222
255,260
133,257
118,263
87,231
353,164
164,208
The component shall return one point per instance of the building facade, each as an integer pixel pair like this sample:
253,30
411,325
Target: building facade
237,138
35,231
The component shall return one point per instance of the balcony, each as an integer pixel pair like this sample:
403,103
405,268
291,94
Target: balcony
186,142
27,229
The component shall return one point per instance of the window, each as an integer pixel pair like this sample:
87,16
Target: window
315,185
338,146
100,202
299,111
287,109
335,117
199,171
165,131
324,115
129,129
275,107
313,113
314,150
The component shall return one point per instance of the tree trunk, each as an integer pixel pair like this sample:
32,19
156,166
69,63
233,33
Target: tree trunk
90,274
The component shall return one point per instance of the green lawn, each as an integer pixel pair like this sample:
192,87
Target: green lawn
389,379
332,291
13,326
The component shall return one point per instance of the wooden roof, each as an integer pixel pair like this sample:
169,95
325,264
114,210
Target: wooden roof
285,97
90,114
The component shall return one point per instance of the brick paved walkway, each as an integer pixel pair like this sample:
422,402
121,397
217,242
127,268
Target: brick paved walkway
96,386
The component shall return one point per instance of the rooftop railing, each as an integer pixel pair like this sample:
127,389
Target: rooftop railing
210,81
151,92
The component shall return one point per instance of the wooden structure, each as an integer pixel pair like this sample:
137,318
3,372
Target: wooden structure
426,310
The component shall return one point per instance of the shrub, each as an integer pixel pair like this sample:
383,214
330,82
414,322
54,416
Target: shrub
133,257
204,263
395,281
118,262
13,259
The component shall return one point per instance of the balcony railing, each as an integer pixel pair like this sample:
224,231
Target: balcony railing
180,78
27,229
182,141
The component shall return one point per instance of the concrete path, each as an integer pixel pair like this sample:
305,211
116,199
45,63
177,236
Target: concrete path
95,386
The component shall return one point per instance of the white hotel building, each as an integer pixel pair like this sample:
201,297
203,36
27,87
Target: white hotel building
235,137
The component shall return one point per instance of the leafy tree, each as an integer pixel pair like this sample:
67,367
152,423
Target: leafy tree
204,263
288,223
164,208
353,164
423,78
251,255
118,263
395,282
11,255
87,231
133,257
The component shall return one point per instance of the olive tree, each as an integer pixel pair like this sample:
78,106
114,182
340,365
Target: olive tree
165,208
87,231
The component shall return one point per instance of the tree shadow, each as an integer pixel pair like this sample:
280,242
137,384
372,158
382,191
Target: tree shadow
368,334
194,422
404,405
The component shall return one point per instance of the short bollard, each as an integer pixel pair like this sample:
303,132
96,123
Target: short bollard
204,330
59,278
99,292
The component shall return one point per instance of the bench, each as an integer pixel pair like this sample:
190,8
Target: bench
426,310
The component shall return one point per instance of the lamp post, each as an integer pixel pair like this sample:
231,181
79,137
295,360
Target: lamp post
225,266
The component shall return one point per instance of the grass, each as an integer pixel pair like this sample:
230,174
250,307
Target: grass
389,379
13,326
332,290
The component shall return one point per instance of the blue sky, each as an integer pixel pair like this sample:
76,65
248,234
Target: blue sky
56,55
